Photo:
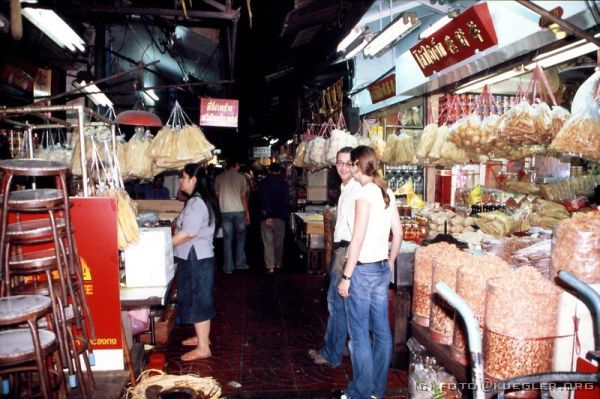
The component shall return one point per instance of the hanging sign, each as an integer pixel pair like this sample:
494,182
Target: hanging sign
219,112
261,152
383,89
470,32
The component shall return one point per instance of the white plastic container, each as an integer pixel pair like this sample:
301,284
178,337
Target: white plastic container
149,262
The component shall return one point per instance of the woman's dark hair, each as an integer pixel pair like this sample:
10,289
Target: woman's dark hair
204,189
366,160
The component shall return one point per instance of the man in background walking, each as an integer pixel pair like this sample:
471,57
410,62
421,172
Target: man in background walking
231,190
274,201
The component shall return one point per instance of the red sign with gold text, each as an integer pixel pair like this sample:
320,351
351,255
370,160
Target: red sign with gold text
468,33
95,223
219,112
383,89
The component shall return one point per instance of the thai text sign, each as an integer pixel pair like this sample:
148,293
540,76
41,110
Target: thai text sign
219,112
383,89
261,152
470,32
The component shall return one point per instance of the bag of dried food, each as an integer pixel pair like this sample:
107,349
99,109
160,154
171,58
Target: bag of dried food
423,274
405,149
300,153
471,280
576,247
580,135
559,117
441,316
521,311
426,143
389,153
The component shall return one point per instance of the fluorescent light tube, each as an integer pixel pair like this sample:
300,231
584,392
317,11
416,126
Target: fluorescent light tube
391,33
435,27
351,37
94,94
562,56
150,93
491,80
356,49
54,27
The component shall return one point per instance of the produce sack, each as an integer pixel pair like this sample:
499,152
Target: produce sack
299,156
389,153
405,149
520,322
426,143
576,247
580,135
586,93
338,140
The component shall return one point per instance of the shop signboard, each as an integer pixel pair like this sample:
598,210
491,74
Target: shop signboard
220,112
383,89
261,152
95,224
470,32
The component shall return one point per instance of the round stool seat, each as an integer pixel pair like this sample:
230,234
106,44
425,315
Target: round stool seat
33,167
15,309
35,199
33,261
33,230
17,346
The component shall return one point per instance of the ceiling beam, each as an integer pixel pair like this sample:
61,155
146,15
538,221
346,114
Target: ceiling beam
232,15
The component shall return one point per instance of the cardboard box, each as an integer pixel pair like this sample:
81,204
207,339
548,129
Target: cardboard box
315,228
318,178
149,262
316,193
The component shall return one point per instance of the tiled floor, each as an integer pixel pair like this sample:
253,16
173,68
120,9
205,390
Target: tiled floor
264,326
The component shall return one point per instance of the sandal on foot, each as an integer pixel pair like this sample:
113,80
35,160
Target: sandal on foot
317,358
195,355
191,341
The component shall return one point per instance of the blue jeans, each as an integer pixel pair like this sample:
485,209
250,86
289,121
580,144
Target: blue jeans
234,225
337,327
367,311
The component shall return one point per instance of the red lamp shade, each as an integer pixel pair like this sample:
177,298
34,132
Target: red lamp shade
138,118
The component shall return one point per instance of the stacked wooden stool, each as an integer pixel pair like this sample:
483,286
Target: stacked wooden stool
39,257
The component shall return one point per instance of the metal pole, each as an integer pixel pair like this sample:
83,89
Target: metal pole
78,89
82,155
560,22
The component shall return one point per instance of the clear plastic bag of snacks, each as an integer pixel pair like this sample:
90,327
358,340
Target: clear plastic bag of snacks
580,135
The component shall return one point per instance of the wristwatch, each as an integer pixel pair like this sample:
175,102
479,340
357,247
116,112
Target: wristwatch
346,277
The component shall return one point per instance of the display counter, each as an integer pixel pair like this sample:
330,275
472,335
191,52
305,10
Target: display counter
309,234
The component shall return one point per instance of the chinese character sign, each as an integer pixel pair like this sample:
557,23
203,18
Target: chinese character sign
219,112
465,35
383,89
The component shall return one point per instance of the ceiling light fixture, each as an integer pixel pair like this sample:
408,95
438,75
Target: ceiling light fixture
357,49
435,27
399,28
350,38
545,60
563,54
151,95
55,28
94,94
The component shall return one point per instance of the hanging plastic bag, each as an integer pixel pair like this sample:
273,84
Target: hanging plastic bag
426,142
585,94
580,136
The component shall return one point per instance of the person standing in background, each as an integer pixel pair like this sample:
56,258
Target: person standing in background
274,195
193,251
366,278
154,190
337,329
231,191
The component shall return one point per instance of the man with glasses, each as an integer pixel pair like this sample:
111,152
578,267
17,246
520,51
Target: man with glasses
337,328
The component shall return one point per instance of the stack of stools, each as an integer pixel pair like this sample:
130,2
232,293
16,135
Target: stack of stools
39,257
26,350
